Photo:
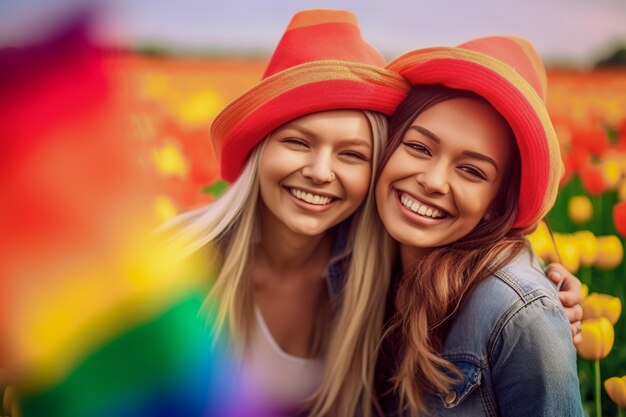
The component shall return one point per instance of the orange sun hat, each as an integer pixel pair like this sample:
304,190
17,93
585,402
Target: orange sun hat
321,63
509,74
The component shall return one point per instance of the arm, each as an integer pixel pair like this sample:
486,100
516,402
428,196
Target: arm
570,296
533,364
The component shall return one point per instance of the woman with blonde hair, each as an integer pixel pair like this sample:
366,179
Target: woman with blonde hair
300,148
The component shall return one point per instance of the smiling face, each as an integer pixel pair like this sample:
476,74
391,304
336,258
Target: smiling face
315,171
441,180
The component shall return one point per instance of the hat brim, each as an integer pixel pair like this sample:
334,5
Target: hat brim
515,99
298,91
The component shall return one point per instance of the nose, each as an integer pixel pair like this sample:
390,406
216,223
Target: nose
434,179
319,168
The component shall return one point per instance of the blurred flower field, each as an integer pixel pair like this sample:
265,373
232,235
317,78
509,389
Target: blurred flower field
177,98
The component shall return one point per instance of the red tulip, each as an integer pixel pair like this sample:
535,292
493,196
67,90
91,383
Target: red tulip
619,218
592,138
580,157
592,179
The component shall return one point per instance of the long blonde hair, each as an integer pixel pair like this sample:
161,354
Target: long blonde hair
231,225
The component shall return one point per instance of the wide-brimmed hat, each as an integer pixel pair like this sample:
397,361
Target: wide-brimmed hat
321,63
509,74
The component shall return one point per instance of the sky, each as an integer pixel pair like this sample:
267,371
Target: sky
568,31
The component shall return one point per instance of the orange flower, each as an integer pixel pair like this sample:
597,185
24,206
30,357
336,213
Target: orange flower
602,305
616,389
597,341
610,252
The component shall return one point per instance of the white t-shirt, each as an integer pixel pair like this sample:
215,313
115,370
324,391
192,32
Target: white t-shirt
282,380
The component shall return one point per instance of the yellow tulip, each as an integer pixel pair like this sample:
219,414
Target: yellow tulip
542,228
170,161
540,244
616,389
597,339
610,252
587,247
567,252
612,173
580,209
199,108
602,305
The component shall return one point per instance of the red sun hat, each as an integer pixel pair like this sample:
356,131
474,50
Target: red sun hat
321,63
509,74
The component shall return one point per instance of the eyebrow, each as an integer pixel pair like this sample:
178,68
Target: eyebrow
436,138
311,133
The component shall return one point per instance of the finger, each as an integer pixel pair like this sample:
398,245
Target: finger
555,273
574,313
569,298
574,330
558,273
577,339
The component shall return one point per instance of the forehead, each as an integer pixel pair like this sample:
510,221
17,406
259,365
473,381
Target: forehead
470,124
341,124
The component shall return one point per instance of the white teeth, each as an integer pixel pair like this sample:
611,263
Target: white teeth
418,208
318,200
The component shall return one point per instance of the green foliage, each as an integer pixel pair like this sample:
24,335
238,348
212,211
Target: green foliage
216,189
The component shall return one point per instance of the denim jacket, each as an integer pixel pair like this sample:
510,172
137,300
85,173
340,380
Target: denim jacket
338,265
511,340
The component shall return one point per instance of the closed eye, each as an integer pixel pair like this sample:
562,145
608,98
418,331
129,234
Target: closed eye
355,155
418,147
295,142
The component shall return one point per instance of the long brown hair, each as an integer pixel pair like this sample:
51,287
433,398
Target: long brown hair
431,292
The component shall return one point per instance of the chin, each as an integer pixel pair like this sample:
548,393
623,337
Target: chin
310,230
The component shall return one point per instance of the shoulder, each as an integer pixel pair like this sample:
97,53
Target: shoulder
515,285
496,300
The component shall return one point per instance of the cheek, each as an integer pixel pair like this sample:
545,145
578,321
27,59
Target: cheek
476,199
356,181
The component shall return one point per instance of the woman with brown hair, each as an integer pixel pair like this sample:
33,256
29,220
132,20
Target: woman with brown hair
472,166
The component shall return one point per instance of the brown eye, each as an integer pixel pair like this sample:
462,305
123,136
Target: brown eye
418,147
473,171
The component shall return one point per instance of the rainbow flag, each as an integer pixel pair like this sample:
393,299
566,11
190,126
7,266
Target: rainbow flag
95,319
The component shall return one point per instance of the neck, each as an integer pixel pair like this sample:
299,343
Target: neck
409,255
283,249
